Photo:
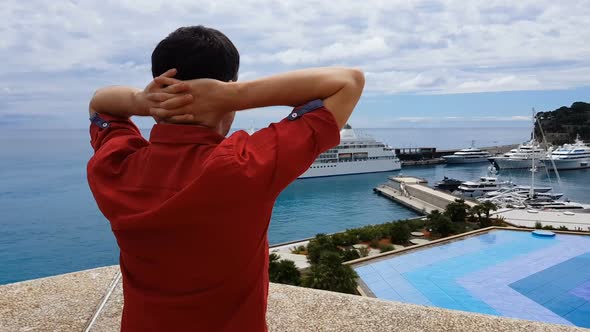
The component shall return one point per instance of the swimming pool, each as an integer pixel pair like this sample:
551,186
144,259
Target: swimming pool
501,272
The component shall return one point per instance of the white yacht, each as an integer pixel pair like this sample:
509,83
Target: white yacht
484,185
354,155
469,155
520,157
569,156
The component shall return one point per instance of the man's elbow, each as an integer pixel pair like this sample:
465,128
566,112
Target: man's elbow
358,76
92,104
357,79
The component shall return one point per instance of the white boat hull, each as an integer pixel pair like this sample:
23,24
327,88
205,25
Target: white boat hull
474,192
454,160
351,167
509,163
564,164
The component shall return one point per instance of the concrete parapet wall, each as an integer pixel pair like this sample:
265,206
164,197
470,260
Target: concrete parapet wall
69,302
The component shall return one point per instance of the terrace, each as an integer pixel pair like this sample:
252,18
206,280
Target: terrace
91,300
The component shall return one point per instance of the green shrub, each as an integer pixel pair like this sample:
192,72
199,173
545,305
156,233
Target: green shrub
538,225
385,247
457,211
384,229
298,250
283,271
329,274
416,224
563,228
548,227
353,233
400,232
374,243
344,239
441,224
349,254
369,233
316,246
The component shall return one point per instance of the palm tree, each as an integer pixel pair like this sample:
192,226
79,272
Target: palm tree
330,274
488,206
485,208
476,211
283,271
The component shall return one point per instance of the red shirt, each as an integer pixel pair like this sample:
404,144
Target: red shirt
190,210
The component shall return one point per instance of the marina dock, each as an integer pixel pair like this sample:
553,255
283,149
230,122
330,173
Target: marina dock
414,193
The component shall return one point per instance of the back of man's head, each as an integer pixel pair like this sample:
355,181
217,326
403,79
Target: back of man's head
197,52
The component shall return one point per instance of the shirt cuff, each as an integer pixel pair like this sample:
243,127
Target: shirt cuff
305,108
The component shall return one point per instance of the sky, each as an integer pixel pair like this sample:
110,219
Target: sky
428,63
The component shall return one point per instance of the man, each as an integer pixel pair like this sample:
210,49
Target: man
190,208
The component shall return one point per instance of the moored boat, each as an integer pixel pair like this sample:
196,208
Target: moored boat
467,156
569,156
521,157
354,155
484,185
448,184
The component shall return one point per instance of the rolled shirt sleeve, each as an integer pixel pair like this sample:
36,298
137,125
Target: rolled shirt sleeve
277,155
104,127
113,139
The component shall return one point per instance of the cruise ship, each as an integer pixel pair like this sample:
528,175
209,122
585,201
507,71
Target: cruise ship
521,157
354,155
569,156
470,155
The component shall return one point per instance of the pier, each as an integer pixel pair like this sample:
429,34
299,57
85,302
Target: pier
413,193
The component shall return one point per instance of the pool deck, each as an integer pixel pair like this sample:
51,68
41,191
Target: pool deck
523,218
92,300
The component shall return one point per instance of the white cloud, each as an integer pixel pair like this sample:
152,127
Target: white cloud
60,48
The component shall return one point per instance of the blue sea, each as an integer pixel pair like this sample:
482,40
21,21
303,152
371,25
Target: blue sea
49,222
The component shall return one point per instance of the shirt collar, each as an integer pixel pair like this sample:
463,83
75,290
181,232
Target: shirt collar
174,133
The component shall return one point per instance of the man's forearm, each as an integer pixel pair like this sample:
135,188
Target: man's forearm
293,88
118,101
340,88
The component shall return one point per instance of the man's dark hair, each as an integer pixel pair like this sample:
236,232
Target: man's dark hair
197,52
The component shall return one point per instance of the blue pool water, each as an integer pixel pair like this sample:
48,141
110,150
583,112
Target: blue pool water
505,273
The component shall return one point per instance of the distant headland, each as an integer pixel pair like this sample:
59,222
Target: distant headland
565,123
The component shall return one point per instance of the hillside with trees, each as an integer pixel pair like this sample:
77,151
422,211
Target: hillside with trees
563,124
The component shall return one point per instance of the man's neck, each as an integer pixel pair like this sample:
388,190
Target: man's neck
216,129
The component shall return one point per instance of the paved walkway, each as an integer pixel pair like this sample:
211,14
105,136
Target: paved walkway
284,251
522,217
408,201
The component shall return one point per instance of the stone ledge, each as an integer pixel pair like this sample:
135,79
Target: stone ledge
68,302
61,303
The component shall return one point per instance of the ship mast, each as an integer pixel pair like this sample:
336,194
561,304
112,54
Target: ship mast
533,168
